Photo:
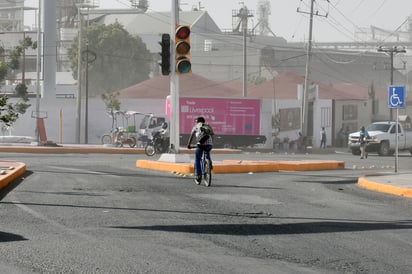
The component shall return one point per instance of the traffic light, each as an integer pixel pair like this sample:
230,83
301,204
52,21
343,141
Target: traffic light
165,44
182,49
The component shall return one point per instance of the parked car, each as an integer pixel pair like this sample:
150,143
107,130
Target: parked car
382,139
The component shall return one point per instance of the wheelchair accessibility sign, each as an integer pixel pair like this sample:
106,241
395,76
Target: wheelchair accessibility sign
396,97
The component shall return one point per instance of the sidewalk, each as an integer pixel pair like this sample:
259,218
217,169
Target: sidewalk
392,183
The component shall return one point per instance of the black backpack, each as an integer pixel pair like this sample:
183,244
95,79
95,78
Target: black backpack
205,132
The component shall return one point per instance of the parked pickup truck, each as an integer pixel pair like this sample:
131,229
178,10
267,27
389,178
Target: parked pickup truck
383,139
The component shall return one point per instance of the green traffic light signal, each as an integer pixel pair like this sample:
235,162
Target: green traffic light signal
183,65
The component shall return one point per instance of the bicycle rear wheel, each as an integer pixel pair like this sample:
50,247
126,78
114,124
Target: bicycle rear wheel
207,173
106,139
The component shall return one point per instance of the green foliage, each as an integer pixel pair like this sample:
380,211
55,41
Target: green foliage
21,91
22,106
8,115
9,112
112,103
122,59
4,69
257,80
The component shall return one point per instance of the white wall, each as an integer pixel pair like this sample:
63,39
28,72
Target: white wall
99,121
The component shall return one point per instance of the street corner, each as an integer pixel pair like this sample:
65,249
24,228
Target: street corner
10,171
393,184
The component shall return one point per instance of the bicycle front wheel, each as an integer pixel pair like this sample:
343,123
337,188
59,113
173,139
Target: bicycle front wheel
149,149
207,175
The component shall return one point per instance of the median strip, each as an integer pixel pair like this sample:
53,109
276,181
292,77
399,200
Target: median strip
241,166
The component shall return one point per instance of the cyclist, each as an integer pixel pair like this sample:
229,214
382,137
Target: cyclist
363,140
204,143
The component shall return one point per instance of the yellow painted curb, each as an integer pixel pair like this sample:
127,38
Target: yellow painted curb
239,166
311,165
9,175
165,166
245,167
404,192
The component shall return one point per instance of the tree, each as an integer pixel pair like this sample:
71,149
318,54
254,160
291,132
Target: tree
121,60
112,104
9,112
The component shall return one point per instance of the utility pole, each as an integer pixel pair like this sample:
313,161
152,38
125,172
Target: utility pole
307,69
244,14
391,51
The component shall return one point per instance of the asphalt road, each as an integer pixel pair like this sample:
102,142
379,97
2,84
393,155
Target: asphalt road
93,213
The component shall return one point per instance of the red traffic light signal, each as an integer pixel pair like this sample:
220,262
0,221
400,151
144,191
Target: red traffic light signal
182,49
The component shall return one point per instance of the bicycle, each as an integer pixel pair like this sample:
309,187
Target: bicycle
206,168
119,137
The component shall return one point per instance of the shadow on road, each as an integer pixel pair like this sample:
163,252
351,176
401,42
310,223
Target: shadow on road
9,237
275,229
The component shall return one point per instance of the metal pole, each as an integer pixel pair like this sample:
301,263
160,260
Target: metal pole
79,61
38,68
307,72
396,141
174,83
390,110
86,111
244,16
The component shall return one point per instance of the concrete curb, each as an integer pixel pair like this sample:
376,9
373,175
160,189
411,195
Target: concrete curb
10,171
384,188
236,166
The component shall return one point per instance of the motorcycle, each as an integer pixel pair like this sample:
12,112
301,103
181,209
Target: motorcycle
159,143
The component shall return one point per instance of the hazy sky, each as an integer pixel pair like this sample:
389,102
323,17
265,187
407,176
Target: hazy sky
344,16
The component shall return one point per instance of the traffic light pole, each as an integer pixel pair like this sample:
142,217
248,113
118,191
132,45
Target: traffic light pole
174,83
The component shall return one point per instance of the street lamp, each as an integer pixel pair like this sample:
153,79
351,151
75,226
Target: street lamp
391,51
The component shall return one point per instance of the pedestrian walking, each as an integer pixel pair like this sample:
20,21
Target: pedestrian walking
323,138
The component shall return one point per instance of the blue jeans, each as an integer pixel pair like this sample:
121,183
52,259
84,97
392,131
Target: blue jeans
198,157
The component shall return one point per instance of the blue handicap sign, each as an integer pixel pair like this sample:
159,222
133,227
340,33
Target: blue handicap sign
396,97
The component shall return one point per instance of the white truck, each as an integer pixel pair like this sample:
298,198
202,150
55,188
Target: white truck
383,139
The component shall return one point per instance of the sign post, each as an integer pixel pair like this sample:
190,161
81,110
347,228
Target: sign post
396,99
